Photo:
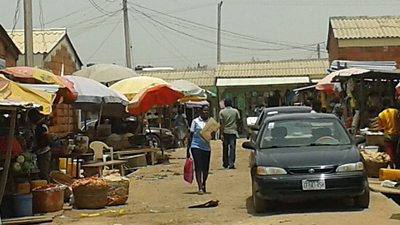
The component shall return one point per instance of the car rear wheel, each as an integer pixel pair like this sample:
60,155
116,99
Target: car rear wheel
258,203
155,140
362,201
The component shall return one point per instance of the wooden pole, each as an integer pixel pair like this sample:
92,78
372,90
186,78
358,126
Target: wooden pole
3,181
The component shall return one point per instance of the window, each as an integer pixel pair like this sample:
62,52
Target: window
303,132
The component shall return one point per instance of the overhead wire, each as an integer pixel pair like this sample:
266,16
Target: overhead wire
41,22
103,42
99,8
165,38
212,42
16,16
248,37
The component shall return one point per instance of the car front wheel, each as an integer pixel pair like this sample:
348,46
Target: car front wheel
258,203
154,141
362,201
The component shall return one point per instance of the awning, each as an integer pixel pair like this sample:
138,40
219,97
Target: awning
304,88
226,82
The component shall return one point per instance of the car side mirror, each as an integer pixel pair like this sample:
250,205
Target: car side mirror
359,139
249,145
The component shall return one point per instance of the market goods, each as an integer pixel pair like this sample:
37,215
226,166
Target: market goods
90,193
375,161
90,183
118,189
379,157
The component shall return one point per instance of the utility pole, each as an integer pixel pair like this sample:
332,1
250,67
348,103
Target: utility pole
219,33
28,36
319,51
128,45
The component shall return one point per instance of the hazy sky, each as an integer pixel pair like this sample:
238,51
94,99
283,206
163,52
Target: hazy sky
181,33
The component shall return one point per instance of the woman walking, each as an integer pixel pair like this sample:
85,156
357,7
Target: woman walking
200,150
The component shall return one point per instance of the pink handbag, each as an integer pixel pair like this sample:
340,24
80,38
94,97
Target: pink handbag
188,171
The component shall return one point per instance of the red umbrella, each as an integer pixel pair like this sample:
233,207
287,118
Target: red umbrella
326,83
34,75
157,95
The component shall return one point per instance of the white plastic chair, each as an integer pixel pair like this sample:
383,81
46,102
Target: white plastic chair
98,148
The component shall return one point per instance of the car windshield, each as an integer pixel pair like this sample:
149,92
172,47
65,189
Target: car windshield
303,132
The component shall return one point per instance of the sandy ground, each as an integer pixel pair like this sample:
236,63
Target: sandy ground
158,195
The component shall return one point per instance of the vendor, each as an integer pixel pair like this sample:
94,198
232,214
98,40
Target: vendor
388,121
41,145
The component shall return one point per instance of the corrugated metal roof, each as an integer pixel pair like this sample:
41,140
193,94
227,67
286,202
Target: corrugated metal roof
226,82
314,68
365,27
202,78
43,40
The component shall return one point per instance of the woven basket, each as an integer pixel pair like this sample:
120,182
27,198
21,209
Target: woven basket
90,197
373,168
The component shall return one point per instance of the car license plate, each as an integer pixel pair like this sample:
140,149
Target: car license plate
309,185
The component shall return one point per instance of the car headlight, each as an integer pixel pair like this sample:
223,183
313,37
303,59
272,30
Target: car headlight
168,133
261,170
351,167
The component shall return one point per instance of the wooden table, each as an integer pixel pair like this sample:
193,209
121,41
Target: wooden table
97,167
151,151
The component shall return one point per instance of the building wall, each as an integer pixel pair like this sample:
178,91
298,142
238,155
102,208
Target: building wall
7,55
375,50
61,56
370,54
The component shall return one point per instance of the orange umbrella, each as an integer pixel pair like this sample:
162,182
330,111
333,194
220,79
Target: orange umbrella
156,95
34,75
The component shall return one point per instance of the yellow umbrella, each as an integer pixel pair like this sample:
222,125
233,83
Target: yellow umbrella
132,86
13,92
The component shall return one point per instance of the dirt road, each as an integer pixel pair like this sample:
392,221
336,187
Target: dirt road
158,195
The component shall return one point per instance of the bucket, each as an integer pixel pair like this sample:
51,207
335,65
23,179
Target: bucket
49,198
22,205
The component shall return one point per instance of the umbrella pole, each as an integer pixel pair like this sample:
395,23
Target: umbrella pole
7,162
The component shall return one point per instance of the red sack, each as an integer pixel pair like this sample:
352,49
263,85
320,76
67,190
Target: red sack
188,171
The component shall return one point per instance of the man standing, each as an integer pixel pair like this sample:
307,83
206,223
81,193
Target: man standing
229,117
388,121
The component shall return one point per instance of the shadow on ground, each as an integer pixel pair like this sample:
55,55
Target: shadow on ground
315,206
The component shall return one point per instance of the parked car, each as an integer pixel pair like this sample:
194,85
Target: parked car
305,156
159,137
272,111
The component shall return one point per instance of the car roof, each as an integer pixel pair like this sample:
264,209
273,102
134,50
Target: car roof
281,109
297,116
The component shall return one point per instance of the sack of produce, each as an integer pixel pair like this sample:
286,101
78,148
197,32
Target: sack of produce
90,193
118,189
374,161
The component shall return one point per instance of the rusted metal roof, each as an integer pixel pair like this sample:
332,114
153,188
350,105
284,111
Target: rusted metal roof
365,27
202,77
314,68
43,40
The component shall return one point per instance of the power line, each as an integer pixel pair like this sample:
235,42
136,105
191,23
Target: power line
99,8
102,43
16,16
248,37
155,39
212,42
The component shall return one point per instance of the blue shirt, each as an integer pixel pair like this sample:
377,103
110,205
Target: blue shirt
197,140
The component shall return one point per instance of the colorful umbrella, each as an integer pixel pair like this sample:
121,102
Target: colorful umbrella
106,73
91,91
13,92
191,91
132,86
326,83
33,75
157,95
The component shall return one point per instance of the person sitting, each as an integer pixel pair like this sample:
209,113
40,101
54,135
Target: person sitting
278,135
